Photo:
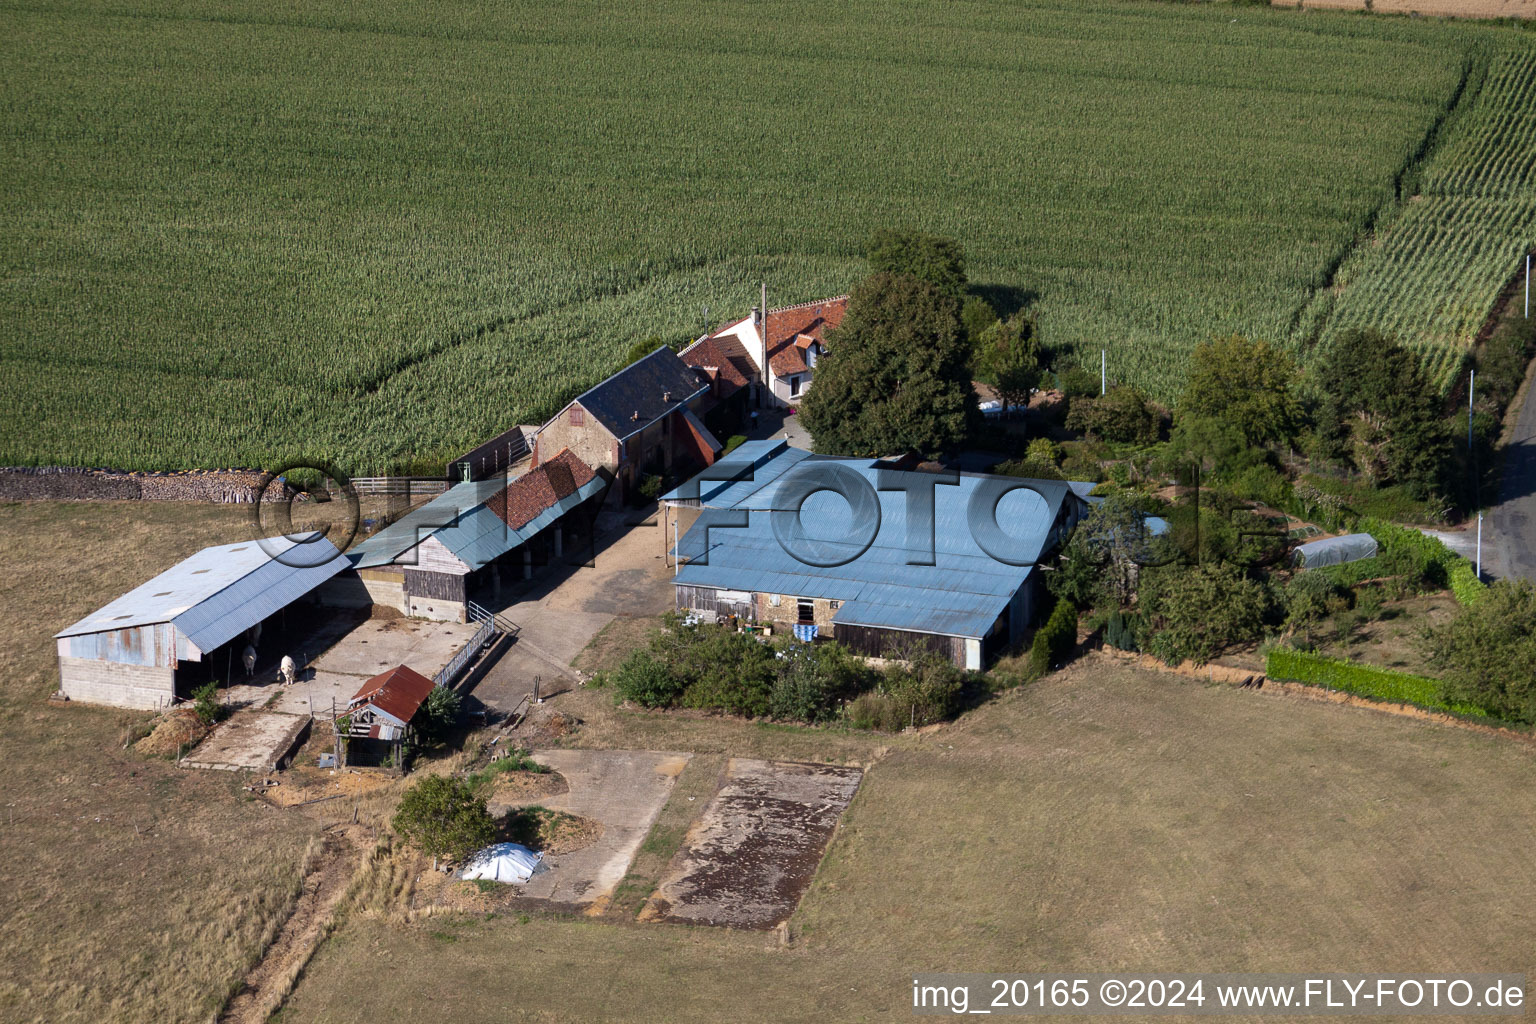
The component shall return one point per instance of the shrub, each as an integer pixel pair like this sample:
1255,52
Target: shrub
442,712
813,679
647,680
1364,680
1311,596
1054,640
1122,631
1198,611
1043,451
443,818
205,702
1487,654
1465,584
733,442
651,487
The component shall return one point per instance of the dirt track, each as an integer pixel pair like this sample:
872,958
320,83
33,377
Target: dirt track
1429,8
323,887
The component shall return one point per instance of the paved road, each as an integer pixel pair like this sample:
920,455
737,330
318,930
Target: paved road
1509,529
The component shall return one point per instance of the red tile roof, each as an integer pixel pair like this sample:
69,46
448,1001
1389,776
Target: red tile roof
397,693
727,356
521,501
786,346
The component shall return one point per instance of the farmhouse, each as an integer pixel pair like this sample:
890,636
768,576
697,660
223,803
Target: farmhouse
437,560
379,716
642,419
801,559
793,338
190,624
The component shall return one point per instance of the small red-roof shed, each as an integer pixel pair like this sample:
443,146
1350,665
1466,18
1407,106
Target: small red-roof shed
396,695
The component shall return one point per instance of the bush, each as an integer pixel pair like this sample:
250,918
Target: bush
651,487
1043,451
1054,640
443,818
1364,680
733,442
1487,654
442,712
1465,584
1122,631
647,680
1198,611
924,690
813,679
205,702
1309,597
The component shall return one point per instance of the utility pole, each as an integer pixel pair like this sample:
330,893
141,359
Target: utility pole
676,565
1527,286
1471,389
1103,373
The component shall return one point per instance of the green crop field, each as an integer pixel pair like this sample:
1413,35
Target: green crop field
237,234
1431,275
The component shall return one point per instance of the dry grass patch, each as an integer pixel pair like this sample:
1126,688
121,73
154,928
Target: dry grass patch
1103,818
136,891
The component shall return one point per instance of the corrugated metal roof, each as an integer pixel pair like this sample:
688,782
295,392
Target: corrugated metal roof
961,594
460,520
221,591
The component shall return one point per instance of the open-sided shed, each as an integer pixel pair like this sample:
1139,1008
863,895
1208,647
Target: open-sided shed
149,647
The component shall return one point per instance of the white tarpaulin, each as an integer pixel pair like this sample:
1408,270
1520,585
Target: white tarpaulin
504,862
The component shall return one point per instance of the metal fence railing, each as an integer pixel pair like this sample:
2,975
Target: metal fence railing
488,624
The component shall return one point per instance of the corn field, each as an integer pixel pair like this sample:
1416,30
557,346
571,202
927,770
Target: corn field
241,234
1432,275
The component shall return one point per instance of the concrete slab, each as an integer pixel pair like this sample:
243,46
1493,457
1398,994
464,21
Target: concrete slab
621,790
561,613
750,856
249,740
374,646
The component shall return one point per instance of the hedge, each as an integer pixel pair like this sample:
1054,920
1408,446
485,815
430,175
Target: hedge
1364,680
1439,566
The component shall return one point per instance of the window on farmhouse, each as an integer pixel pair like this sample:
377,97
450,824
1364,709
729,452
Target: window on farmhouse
794,385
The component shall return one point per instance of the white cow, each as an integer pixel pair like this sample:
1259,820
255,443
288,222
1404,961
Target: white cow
288,669
249,657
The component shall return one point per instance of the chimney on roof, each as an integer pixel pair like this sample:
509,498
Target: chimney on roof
634,417
666,396
767,380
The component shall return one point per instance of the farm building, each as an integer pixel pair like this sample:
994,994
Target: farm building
190,624
641,420
379,716
461,546
794,339
827,570
732,379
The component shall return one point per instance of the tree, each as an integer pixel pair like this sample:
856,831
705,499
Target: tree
1380,412
929,258
1247,384
1486,656
976,315
442,712
443,817
1099,565
1008,358
894,378
205,702
1122,415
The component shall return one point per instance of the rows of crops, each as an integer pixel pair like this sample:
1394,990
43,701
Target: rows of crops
238,234
1432,275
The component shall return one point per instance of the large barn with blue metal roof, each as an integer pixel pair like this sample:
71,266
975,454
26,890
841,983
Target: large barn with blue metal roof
187,626
781,548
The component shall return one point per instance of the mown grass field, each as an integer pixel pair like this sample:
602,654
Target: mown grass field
242,234
1102,820
135,891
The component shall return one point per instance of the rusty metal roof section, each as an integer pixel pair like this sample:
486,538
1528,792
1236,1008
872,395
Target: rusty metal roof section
397,694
